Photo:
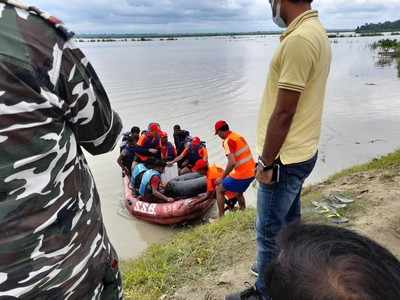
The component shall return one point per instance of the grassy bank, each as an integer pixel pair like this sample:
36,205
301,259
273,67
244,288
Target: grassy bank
191,255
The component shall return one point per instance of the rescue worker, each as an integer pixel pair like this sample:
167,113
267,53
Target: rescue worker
213,174
193,152
168,151
150,140
240,170
150,185
53,240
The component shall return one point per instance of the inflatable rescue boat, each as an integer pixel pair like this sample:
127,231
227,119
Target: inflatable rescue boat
184,209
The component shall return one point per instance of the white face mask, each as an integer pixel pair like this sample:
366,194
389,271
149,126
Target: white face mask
277,16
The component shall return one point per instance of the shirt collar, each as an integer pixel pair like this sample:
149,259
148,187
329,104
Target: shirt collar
296,23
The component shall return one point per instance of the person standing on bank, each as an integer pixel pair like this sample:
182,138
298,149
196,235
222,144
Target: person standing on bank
289,127
54,244
240,170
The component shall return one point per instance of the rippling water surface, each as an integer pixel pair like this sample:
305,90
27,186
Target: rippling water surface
194,82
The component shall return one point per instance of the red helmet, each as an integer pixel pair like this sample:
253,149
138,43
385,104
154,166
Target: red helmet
196,141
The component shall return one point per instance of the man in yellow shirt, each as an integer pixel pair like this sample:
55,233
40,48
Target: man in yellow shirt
289,127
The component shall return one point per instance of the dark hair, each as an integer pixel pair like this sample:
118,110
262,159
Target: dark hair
177,127
224,128
135,130
153,162
319,262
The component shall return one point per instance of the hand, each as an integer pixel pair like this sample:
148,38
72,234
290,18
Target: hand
170,200
264,177
153,151
219,181
170,163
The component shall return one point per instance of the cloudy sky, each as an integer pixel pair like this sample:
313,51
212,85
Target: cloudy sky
181,16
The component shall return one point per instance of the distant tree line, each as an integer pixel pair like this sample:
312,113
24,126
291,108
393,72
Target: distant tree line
379,27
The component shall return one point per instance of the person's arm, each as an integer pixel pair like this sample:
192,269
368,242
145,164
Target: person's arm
279,124
155,185
230,148
142,150
95,124
230,166
175,153
298,60
180,157
120,161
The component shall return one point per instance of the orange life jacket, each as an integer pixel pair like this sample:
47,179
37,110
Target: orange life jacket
149,142
245,164
214,173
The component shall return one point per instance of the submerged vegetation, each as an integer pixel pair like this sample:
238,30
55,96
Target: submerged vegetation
389,52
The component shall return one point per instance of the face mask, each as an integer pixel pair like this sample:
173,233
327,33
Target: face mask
277,17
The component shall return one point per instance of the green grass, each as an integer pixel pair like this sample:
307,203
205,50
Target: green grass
197,252
189,256
385,162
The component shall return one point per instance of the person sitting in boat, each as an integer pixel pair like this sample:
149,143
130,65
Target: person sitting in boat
168,151
181,138
151,142
128,154
150,184
135,131
195,151
213,174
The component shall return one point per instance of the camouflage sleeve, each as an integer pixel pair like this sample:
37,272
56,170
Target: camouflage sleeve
96,126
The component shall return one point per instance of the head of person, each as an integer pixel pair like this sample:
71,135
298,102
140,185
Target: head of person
319,262
222,129
201,167
155,164
154,129
284,10
177,129
135,130
132,140
159,166
164,137
196,142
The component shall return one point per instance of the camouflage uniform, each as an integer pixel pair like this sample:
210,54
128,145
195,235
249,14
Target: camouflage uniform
53,244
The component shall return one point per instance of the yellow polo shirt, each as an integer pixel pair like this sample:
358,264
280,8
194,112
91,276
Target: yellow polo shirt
301,63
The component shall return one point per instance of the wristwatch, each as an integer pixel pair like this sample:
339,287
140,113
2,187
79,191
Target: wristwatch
263,165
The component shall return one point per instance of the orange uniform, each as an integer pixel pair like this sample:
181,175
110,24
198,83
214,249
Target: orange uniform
148,142
237,145
214,173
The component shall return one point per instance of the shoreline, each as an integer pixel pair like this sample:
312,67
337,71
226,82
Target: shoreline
214,258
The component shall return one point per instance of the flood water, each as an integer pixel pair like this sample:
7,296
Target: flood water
194,82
